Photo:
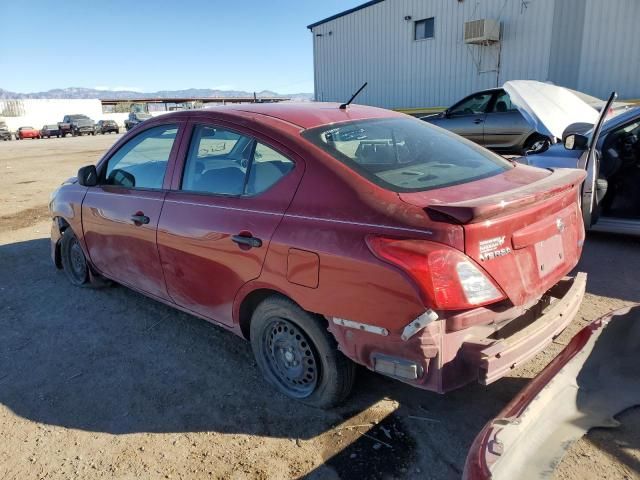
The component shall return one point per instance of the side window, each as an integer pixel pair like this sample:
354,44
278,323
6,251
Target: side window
217,161
224,162
472,106
142,161
267,168
503,104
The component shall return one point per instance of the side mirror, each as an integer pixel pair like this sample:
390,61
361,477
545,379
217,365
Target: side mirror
88,176
575,141
445,114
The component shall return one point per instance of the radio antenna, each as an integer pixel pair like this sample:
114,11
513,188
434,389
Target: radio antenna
345,105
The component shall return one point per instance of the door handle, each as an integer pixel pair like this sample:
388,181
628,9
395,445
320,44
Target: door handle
140,218
478,120
251,242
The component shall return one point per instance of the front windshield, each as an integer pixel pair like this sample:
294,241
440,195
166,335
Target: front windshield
405,154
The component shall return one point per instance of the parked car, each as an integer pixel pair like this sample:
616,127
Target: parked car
5,134
616,169
27,132
135,118
48,131
489,118
107,126
332,236
76,125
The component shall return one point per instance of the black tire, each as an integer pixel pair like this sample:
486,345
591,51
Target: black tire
298,356
74,262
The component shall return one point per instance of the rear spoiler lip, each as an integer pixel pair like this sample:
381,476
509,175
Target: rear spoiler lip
491,206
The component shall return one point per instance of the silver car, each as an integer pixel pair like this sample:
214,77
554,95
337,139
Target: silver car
489,118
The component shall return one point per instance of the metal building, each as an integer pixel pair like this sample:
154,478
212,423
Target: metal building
426,53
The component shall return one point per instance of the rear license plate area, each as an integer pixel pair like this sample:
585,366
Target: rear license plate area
549,255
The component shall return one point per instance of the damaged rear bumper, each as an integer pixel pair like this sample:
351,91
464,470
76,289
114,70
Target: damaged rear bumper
592,379
432,357
496,357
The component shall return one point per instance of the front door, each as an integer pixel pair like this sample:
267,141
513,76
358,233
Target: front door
467,117
120,215
220,215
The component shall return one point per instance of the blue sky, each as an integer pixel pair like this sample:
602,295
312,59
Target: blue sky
161,45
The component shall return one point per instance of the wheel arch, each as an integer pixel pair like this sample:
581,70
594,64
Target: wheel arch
532,138
250,301
61,225
248,305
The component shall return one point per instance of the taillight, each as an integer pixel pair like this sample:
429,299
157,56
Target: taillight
448,279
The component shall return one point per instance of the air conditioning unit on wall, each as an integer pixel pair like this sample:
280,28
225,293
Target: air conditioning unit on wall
482,32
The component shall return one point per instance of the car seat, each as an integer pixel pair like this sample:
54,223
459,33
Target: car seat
229,181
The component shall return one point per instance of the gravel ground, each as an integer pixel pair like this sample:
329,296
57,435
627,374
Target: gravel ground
107,383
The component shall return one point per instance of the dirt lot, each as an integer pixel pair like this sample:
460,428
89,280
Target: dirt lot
107,383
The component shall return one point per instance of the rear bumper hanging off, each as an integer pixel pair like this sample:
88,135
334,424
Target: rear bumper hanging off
591,380
494,358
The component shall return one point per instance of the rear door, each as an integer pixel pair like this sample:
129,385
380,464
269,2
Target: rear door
120,215
505,128
467,117
227,199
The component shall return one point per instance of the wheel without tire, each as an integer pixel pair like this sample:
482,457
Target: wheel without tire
73,260
297,354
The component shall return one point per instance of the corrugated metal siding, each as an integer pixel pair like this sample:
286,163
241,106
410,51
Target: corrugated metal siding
376,45
566,42
610,57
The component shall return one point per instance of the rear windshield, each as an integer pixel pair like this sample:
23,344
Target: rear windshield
405,154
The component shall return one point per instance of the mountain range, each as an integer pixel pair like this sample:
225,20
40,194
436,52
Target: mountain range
79,92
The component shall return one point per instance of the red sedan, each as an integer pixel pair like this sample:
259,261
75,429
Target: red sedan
332,236
27,132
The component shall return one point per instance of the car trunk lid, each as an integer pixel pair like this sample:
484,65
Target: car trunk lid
523,228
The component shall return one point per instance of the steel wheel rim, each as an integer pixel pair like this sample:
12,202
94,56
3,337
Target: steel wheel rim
291,358
77,260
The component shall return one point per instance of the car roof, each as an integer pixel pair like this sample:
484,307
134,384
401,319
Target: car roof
308,114
622,118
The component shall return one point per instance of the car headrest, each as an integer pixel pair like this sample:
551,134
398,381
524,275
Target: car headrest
501,106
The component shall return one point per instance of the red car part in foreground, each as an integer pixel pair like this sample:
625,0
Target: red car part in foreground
326,235
595,377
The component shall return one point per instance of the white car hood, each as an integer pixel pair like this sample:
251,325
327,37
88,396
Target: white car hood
548,108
